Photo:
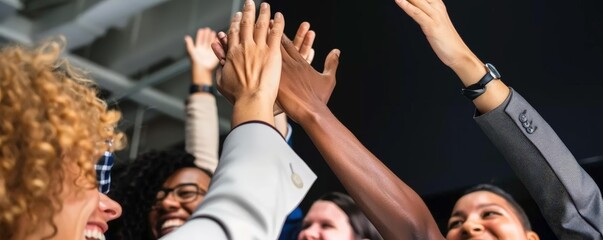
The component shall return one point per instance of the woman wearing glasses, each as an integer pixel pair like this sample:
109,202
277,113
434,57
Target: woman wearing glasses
53,128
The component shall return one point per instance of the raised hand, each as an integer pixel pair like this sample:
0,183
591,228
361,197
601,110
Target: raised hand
304,90
200,51
252,68
445,41
304,39
433,19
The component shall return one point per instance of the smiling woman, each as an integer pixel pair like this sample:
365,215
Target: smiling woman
487,210
53,128
164,186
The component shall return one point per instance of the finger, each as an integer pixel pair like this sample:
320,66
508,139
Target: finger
247,21
219,51
261,25
425,6
332,62
306,45
301,34
276,33
223,39
211,37
414,12
200,36
310,56
233,33
290,50
190,46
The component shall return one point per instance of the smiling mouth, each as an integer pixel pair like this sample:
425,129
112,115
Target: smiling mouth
93,235
170,225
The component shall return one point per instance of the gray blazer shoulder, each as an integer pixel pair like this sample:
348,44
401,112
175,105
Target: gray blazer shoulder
567,196
258,182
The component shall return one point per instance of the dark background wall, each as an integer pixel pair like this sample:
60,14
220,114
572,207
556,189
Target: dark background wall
405,105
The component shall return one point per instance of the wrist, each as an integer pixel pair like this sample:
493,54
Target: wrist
252,109
314,116
202,76
469,69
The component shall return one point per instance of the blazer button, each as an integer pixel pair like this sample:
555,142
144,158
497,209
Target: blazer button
523,117
531,129
295,178
526,124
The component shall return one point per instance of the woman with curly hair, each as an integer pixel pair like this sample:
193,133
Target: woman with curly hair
53,128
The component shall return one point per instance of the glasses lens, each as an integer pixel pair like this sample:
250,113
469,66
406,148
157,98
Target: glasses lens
186,193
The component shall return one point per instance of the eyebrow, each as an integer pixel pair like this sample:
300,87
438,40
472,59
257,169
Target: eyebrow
480,206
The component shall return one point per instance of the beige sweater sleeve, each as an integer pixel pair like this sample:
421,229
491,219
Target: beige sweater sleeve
202,131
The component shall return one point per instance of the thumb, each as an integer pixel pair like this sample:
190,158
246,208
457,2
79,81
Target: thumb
331,62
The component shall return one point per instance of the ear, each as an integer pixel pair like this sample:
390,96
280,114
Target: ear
532,236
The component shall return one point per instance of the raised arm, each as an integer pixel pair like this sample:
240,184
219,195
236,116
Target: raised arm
259,179
395,209
202,130
567,196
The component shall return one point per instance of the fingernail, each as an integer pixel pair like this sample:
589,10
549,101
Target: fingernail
337,52
238,15
248,2
221,34
264,5
278,15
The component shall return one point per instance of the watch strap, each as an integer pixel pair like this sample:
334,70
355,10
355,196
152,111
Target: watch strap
477,89
195,88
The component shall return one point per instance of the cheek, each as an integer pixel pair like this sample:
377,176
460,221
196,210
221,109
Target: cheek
192,206
453,234
506,230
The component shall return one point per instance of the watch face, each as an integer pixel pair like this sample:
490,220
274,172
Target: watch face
492,70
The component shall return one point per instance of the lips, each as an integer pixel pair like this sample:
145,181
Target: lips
93,232
170,225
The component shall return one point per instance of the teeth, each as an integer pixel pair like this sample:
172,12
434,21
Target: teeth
94,234
172,223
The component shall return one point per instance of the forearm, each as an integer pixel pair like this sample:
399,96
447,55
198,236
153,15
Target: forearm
202,131
567,196
395,209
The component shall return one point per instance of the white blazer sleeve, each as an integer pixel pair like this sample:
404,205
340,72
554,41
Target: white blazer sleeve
258,182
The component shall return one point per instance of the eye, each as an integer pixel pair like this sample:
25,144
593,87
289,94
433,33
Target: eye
326,226
455,224
488,214
306,225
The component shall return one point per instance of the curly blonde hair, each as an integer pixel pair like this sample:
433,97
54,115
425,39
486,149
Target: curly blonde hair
50,117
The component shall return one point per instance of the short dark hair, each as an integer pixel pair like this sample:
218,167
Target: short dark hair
523,217
363,228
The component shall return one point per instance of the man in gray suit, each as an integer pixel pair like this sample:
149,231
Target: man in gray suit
259,178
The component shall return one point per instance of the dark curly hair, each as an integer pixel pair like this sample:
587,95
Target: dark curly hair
136,187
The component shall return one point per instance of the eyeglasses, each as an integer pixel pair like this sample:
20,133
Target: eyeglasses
103,169
183,193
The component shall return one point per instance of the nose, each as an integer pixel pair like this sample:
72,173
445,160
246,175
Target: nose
471,228
109,208
310,233
169,203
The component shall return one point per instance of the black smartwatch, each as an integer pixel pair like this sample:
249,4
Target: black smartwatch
475,90
195,88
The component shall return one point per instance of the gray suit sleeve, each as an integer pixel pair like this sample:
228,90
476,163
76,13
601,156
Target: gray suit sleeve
567,196
258,182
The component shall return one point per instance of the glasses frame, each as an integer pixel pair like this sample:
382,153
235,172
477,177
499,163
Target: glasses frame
167,191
